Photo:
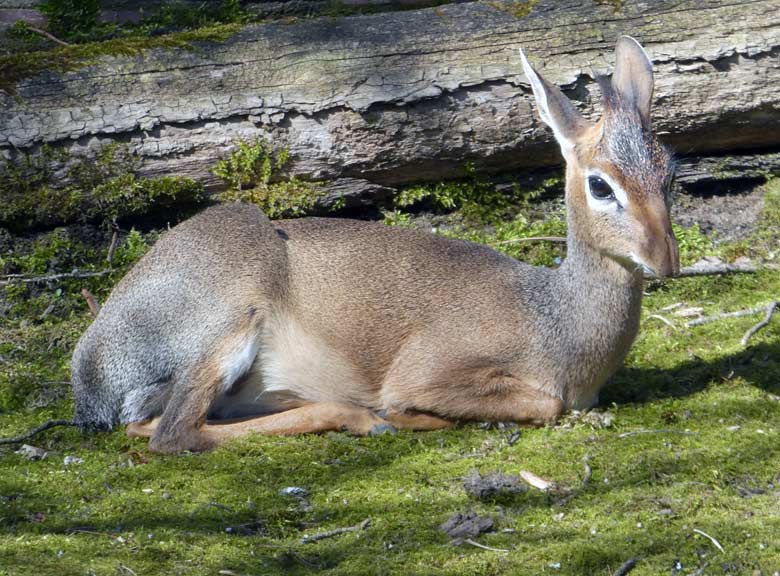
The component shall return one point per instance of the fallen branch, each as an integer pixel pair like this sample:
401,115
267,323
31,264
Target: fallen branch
112,248
47,35
626,567
724,315
336,532
716,269
24,279
92,303
659,431
664,320
710,538
769,311
37,430
533,239
478,545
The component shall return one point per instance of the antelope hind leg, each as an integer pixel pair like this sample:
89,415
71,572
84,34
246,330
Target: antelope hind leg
415,420
143,429
317,417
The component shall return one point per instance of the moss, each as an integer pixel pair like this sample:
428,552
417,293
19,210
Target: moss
476,199
105,188
253,173
517,8
617,5
710,464
16,67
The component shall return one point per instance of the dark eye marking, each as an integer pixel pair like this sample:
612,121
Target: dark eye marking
600,189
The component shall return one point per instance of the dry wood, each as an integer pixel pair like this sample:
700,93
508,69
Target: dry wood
92,303
36,430
654,431
664,320
716,269
376,101
724,315
336,532
112,248
626,567
47,35
478,545
533,239
710,538
769,311
25,279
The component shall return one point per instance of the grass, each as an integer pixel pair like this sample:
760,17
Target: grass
126,511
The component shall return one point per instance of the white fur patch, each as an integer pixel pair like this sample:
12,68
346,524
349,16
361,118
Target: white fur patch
608,204
295,361
540,94
239,358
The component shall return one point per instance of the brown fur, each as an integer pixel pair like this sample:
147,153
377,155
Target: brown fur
232,324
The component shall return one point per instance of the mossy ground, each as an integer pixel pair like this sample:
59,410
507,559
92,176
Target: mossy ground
126,511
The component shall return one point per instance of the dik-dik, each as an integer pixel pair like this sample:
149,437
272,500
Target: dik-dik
234,324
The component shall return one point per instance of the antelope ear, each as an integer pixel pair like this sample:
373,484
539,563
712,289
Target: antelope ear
633,77
555,109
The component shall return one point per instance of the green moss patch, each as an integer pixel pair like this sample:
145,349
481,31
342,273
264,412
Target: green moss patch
16,67
691,446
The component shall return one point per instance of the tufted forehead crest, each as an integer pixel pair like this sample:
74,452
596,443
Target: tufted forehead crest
628,144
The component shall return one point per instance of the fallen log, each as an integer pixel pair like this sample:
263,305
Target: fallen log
373,102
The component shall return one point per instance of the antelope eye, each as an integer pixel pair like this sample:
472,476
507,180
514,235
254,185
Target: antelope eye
599,188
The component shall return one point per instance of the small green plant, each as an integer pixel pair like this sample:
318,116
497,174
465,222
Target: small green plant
692,244
476,199
251,175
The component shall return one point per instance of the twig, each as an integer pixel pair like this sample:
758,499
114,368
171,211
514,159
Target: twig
710,538
92,302
112,248
47,35
769,311
533,239
659,431
122,569
12,278
478,545
723,315
336,532
716,269
37,430
626,567
664,320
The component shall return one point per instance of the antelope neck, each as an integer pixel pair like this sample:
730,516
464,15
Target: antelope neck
598,285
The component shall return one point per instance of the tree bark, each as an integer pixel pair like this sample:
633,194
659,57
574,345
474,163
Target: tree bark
373,102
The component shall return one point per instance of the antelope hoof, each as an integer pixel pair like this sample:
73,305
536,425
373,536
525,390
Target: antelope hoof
383,428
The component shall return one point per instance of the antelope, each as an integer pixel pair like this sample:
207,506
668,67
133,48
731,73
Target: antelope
233,324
